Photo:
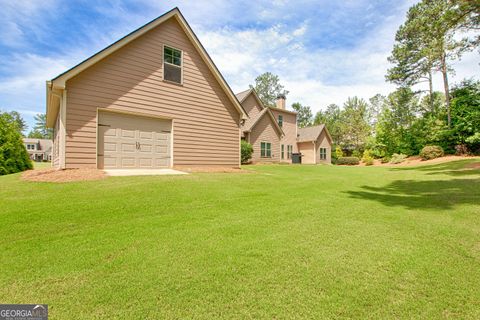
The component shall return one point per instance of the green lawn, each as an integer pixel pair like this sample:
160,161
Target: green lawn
283,242
42,165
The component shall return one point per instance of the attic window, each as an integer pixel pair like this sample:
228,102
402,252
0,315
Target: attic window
280,120
172,64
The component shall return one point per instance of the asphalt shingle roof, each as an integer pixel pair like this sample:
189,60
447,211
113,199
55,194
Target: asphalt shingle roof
309,133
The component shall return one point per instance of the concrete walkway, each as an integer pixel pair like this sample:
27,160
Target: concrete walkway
141,172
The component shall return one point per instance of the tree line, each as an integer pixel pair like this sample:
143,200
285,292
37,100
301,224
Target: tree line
435,33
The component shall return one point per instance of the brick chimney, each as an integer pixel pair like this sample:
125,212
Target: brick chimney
280,102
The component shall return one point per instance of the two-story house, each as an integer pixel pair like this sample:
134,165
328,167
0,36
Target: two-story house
38,149
274,134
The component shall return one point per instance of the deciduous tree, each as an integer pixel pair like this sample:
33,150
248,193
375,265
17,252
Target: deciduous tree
304,114
268,88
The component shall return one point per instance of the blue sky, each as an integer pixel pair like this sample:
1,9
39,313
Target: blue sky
323,51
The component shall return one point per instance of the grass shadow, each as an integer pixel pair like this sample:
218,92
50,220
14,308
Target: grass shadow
430,194
453,168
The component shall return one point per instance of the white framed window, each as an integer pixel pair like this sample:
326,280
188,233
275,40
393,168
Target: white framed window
282,151
172,64
30,146
280,120
265,149
323,153
289,151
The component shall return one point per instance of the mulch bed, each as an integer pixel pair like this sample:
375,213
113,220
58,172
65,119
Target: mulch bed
59,176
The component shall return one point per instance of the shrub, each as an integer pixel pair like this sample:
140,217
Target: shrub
338,152
348,161
386,159
398,158
473,143
246,151
461,149
367,158
357,154
431,152
13,155
378,151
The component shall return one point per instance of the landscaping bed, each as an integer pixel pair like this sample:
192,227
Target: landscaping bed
67,175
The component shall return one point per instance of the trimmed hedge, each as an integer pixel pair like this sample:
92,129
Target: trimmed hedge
431,152
348,161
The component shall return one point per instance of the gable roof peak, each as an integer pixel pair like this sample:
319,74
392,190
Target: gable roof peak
59,82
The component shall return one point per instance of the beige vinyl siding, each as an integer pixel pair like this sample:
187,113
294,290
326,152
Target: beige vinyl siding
205,122
307,151
251,106
324,142
289,129
264,131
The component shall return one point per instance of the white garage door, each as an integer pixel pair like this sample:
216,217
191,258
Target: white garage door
128,142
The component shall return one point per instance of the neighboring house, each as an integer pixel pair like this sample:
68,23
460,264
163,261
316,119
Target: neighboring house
261,129
38,149
274,136
153,99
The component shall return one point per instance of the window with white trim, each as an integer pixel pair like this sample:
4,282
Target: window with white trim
289,151
265,150
30,146
323,153
172,64
282,152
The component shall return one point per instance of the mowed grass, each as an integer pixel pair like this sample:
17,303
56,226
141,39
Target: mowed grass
281,242
41,165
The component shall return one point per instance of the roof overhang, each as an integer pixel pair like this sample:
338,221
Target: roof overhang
272,117
327,133
58,83
324,128
53,103
283,110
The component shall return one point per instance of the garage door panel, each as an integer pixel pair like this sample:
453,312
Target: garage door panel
128,141
146,135
162,143
128,133
162,162
145,162
110,132
109,162
128,162
145,148
162,136
129,147
110,147
162,150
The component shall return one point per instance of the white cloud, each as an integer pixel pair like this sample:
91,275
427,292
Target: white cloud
315,75
17,16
